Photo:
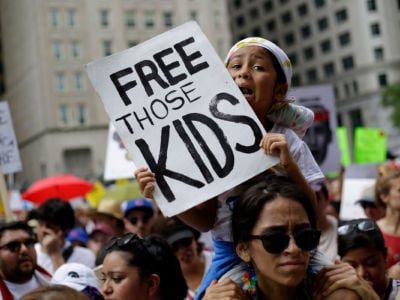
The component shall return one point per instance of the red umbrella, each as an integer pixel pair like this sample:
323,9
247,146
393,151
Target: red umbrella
65,187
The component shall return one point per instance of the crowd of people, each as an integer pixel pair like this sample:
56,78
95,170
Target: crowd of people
272,237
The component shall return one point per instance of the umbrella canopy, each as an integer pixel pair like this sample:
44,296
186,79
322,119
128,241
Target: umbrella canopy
65,186
123,192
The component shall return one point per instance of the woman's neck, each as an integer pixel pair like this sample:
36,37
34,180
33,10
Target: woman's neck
276,292
391,222
194,274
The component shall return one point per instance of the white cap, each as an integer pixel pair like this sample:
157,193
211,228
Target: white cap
76,276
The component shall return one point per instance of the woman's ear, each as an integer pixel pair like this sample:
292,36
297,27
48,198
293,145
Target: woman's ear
242,250
280,91
154,284
384,198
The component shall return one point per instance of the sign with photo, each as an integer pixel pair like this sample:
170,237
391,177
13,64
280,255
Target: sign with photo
179,112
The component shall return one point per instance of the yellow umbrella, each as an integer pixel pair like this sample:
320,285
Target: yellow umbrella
124,192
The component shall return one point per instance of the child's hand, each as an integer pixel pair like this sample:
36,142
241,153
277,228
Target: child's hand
276,144
146,180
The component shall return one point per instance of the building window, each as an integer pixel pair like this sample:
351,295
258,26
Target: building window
237,3
77,81
319,3
355,87
149,19
293,58
306,31
375,29
271,25
130,20
254,13
78,162
240,21
356,119
329,69
322,24
193,15
286,17
268,6
54,16
344,39
308,53
107,47
341,15
382,80
74,50
60,81
379,54
348,63
256,31
296,80
312,75
371,5
168,19
290,39
132,43
302,9
347,89
64,114
104,18
81,114
57,51
71,18
326,46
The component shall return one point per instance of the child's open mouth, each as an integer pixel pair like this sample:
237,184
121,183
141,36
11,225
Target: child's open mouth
246,91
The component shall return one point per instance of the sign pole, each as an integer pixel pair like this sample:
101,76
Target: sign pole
4,197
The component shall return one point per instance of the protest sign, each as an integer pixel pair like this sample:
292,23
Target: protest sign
321,137
118,162
345,157
179,112
9,154
369,145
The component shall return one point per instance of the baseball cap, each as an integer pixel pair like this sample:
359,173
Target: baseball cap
137,203
76,276
367,195
77,234
179,235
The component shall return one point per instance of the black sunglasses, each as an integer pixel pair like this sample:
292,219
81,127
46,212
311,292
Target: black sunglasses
134,220
185,242
15,246
364,226
275,242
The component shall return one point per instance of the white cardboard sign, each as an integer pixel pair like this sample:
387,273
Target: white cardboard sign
9,154
179,112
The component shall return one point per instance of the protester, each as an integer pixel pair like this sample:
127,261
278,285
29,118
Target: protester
138,216
19,271
372,209
109,212
274,231
55,219
55,292
184,241
361,244
263,73
102,233
80,278
142,269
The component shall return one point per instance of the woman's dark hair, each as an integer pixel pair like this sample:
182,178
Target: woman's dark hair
354,238
250,204
153,255
57,212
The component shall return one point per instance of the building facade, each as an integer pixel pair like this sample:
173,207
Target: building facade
60,123
354,45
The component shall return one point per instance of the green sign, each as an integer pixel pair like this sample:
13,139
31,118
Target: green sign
343,144
369,145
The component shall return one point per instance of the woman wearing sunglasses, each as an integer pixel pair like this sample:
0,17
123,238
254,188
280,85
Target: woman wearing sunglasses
141,269
274,232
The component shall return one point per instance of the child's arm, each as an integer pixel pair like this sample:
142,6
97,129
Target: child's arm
201,217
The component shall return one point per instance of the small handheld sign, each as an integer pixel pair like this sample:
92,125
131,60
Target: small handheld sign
179,112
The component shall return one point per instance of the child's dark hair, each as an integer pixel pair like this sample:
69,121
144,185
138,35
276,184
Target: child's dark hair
58,212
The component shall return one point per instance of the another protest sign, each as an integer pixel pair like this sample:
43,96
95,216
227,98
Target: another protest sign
179,112
370,145
345,157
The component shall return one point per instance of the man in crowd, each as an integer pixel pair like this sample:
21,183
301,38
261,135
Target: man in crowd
138,216
19,271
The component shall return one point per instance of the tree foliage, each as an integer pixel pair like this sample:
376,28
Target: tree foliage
391,98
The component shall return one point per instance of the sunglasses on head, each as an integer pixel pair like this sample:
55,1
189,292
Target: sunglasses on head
186,242
364,226
15,246
135,220
125,241
276,241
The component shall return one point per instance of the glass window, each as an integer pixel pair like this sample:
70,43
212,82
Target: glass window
268,6
308,53
306,31
237,3
371,5
355,87
348,62
240,21
329,69
254,13
64,114
71,18
256,31
74,49
77,81
81,114
290,38
382,80
341,15
104,18
130,20
356,118
312,75
193,15
57,51
293,58
344,39
346,89
286,17
322,24
60,81
168,22
375,29
54,16
271,25
378,54
296,80
107,47
302,9
319,3
326,46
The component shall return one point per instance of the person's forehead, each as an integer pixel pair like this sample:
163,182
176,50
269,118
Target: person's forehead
10,235
254,51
